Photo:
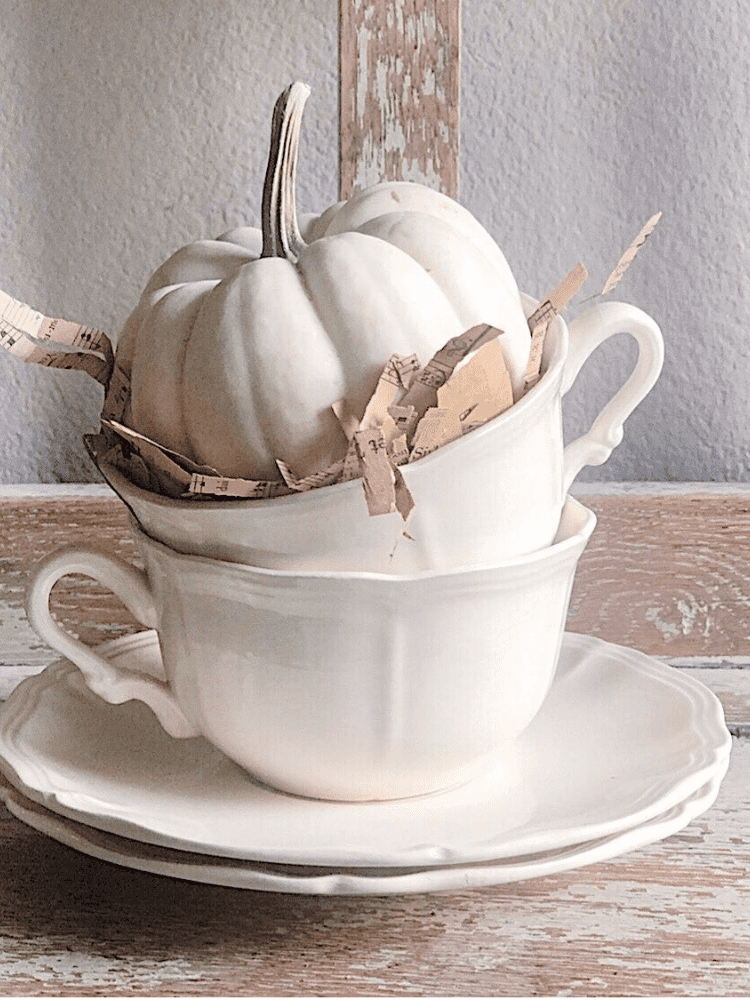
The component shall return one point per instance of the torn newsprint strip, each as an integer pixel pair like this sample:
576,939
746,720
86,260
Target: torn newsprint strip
54,343
543,315
629,256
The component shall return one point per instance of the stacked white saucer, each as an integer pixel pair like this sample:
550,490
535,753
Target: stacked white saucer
624,752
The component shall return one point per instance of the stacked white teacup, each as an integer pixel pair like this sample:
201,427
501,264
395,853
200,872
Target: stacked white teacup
332,664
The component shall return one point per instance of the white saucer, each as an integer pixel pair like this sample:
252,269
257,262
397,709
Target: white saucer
352,881
620,740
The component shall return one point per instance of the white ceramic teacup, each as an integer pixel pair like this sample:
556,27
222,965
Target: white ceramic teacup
496,493
336,685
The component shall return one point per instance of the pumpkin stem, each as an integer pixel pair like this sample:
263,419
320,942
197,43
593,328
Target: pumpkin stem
281,235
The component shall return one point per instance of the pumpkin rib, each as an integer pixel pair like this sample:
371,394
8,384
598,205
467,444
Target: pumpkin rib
214,374
249,238
129,339
156,402
402,196
470,282
302,430
198,261
313,227
441,233
275,402
374,301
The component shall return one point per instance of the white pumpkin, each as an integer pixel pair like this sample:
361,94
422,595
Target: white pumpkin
239,346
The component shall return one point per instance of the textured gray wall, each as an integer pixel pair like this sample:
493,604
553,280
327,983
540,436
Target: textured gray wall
130,128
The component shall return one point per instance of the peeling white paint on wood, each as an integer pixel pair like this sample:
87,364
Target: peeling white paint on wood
47,965
667,572
399,92
19,644
669,919
637,488
54,491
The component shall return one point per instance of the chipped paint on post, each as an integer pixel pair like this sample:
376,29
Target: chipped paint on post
399,96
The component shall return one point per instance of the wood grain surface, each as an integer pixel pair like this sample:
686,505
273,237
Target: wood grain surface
29,529
399,79
669,919
665,573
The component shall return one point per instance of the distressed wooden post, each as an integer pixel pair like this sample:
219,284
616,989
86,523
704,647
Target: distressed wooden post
399,80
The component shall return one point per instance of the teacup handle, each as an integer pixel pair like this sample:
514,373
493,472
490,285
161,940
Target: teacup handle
111,683
587,332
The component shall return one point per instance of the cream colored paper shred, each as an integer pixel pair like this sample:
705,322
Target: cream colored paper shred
247,489
629,256
439,426
543,315
378,477
54,343
326,477
479,390
422,393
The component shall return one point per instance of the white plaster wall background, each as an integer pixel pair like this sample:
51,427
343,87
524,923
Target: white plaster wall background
129,129
597,113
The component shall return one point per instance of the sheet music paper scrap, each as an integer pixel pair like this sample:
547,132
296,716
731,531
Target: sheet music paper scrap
480,389
543,315
54,343
238,489
439,426
326,477
394,380
477,391
422,393
378,477
159,470
629,256
143,461
117,394
401,424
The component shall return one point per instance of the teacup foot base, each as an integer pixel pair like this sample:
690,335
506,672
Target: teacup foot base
394,789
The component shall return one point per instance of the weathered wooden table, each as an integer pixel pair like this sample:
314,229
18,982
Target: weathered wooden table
667,572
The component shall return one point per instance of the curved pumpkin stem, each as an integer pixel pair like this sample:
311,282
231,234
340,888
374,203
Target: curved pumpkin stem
281,235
